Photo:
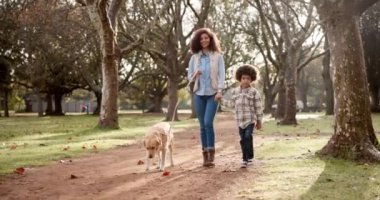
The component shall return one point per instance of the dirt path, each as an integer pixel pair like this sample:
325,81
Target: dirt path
114,174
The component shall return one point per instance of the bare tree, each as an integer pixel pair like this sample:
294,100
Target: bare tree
167,43
354,136
103,15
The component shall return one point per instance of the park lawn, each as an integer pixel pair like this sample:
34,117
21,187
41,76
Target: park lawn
29,141
290,169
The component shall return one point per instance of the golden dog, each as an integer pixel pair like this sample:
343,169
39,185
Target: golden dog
158,140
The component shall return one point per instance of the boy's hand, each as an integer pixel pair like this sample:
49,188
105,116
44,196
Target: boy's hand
258,125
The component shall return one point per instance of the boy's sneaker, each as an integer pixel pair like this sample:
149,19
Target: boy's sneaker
250,161
244,164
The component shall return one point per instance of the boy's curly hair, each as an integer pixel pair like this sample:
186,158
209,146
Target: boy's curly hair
246,70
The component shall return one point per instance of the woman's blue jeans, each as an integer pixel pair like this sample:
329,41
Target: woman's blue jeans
205,107
246,142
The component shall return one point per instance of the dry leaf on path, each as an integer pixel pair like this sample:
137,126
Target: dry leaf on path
19,170
72,176
166,173
140,162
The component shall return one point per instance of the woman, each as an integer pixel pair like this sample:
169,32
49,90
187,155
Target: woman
206,68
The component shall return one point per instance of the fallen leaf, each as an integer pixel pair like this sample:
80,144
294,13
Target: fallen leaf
166,173
83,147
94,147
19,170
140,162
329,180
229,170
13,147
72,176
66,148
69,138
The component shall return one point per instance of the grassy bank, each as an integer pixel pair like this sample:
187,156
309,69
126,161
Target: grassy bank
31,141
291,170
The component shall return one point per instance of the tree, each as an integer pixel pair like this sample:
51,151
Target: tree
283,41
52,52
370,32
167,42
353,137
103,15
327,81
5,84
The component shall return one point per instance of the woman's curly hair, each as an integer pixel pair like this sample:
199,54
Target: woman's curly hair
195,44
246,70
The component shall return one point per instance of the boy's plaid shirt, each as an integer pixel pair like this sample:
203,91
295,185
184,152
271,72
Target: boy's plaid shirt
247,105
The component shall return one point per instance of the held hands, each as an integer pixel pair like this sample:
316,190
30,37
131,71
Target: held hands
218,96
258,125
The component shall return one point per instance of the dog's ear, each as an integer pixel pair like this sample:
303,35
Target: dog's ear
158,141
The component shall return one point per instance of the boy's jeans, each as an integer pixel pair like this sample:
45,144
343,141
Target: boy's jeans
246,142
205,107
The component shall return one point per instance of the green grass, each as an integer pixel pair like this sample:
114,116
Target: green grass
31,141
291,170
318,124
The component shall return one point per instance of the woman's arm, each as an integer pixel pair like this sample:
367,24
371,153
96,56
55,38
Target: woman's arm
190,70
221,73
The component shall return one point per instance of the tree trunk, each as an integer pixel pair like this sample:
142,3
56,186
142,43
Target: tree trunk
49,104
98,96
290,88
290,100
280,114
303,87
6,106
172,115
104,18
327,80
157,104
352,138
108,110
40,105
58,104
268,101
375,101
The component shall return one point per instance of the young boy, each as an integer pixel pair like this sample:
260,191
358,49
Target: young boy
246,101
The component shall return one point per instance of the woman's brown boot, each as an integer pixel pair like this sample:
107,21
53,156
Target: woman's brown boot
211,157
205,158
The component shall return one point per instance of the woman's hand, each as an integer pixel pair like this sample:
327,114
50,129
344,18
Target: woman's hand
218,96
197,73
